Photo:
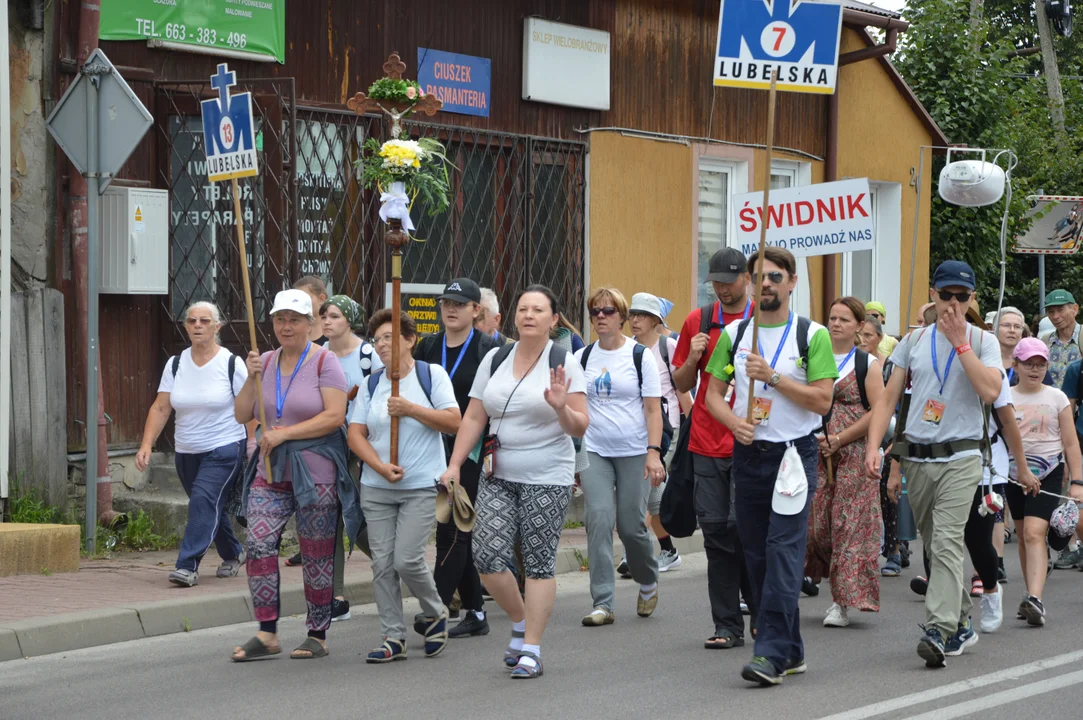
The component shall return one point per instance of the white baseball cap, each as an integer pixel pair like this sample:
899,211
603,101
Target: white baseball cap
295,300
791,485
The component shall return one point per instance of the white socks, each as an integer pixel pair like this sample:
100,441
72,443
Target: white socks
479,614
529,662
517,642
648,591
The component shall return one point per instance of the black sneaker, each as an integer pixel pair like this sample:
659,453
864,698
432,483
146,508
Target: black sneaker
294,561
931,648
340,610
919,585
1033,610
762,671
470,626
808,587
795,667
1002,577
622,569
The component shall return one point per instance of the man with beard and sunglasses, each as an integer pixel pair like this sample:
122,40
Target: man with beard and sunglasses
953,371
793,367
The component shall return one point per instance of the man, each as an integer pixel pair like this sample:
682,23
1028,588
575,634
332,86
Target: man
459,349
711,446
953,371
794,370
875,309
488,320
1063,344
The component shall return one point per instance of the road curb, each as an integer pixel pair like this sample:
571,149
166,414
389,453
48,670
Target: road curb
105,626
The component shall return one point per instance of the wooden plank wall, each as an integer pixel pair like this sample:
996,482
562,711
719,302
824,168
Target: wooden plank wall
38,402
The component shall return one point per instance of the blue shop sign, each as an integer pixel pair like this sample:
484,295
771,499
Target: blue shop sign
461,82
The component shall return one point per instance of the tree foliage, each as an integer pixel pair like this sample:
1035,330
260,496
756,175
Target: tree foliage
983,96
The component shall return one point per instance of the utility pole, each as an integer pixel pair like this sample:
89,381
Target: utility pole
1052,72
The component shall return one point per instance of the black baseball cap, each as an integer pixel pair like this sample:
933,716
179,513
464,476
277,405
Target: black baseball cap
954,273
726,265
461,290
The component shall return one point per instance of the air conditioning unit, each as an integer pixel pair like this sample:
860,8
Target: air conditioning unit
134,239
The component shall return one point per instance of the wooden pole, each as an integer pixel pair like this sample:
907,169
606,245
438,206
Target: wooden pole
396,243
239,225
764,219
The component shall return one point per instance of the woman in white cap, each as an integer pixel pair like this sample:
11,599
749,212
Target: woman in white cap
304,394
1045,421
646,317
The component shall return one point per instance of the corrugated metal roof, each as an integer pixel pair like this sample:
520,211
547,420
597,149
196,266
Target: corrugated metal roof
871,9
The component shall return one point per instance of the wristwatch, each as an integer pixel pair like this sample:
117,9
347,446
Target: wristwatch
1076,482
655,448
775,380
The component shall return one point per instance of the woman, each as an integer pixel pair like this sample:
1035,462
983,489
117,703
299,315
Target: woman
869,338
304,393
399,500
1045,420
844,522
624,447
341,318
566,333
534,396
200,385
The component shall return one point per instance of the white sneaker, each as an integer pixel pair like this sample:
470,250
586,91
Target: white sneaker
992,612
836,616
668,560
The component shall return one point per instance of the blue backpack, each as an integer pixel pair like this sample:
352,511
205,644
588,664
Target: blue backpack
424,377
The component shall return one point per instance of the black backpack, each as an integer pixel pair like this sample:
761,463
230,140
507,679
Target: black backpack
232,369
861,370
803,325
424,378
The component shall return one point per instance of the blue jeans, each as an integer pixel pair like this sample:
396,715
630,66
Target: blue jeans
774,546
207,479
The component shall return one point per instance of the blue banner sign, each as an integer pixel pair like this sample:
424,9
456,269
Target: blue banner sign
461,82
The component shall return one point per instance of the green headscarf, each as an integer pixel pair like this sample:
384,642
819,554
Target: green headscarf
354,313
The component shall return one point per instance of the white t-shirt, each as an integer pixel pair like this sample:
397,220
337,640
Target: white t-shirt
534,449
421,449
1038,416
618,425
999,449
665,378
203,400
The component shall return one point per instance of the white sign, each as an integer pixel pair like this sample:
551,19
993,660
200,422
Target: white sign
758,37
1056,227
565,64
228,130
811,220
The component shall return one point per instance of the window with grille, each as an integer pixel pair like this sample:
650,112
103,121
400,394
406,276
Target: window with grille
717,181
873,274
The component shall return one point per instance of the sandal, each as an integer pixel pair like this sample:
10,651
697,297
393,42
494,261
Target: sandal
312,646
527,672
436,635
511,656
389,651
254,649
724,640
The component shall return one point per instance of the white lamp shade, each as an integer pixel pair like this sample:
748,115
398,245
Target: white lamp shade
972,183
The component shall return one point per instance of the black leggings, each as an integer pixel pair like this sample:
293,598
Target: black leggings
978,536
455,568
889,509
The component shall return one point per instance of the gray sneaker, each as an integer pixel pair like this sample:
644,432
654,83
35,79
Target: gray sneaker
668,560
184,578
1069,559
230,568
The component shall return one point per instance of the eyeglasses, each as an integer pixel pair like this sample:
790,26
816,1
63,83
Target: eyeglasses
452,303
962,297
774,276
1035,364
1011,326
197,321
607,311
876,315
385,338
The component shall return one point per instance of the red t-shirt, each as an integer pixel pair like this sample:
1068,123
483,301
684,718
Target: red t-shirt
708,437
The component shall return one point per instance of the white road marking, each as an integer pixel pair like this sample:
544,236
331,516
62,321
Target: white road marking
920,698
1016,694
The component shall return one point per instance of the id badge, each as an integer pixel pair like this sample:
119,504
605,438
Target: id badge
489,446
761,409
933,413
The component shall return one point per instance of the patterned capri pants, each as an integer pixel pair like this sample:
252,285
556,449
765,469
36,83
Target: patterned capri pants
510,512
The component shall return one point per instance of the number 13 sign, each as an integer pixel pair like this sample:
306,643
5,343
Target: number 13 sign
756,37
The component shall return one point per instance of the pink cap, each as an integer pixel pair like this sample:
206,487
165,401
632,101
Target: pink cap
1030,347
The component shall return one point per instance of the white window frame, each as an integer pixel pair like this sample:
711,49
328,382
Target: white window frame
799,175
886,254
736,169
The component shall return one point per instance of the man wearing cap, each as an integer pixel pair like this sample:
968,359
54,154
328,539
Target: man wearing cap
775,460
1063,344
711,445
459,349
876,309
953,370
646,316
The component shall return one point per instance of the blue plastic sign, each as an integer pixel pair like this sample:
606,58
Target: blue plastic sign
461,82
228,130
758,37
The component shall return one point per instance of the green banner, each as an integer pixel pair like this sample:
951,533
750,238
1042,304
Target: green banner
249,26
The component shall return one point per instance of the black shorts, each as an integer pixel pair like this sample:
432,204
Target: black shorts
1042,506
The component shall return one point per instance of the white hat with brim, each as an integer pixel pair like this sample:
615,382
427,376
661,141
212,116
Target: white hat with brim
649,304
791,485
296,300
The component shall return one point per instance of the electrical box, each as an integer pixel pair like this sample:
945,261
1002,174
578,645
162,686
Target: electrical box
134,240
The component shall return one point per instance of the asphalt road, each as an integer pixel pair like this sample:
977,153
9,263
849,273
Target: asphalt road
636,668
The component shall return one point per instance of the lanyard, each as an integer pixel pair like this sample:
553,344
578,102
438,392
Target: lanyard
847,358
280,397
781,344
462,352
748,308
936,368
1011,375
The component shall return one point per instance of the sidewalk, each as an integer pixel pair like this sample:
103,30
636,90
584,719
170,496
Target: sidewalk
128,596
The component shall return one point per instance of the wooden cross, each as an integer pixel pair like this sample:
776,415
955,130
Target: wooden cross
394,67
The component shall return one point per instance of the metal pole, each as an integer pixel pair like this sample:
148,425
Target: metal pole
1041,284
5,261
93,281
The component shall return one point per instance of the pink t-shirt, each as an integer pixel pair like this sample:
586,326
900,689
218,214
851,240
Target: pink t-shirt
1038,416
303,402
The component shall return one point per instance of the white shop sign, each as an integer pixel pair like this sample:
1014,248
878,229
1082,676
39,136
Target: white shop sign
565,64
822,219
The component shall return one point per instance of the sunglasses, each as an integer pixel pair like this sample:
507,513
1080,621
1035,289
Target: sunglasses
453,303
876,315
200,321
606,311
774,276
962,297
